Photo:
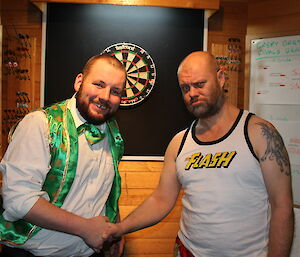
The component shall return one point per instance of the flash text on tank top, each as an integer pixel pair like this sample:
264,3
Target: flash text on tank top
217,160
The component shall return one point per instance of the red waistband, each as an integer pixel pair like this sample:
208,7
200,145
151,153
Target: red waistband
182,249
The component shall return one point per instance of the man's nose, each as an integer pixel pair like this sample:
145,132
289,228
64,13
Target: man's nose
193,91
104,93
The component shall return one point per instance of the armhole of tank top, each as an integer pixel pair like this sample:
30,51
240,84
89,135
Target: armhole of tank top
247,136
183,140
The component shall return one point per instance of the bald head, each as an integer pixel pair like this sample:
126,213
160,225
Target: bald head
197,60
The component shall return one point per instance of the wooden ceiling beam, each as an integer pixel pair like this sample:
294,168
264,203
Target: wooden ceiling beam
193,4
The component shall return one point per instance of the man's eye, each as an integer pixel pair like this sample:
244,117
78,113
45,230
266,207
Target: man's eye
101,85
185,88
116,92
198,84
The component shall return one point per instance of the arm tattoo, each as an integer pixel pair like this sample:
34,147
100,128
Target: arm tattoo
275,148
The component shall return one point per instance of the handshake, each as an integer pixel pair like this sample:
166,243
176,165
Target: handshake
99,233
113,232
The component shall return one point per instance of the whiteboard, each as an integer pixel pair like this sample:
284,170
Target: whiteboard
275,93
296,244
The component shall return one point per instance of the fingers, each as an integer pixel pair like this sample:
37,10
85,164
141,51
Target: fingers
99,230
106,233
121,246
93,232
117,248
113,250
111,233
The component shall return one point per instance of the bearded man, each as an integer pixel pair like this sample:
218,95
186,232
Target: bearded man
61,183
234,171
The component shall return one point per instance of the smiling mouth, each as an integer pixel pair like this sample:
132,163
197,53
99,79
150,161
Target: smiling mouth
101,106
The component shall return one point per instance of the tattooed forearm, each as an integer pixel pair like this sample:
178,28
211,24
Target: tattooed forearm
275,148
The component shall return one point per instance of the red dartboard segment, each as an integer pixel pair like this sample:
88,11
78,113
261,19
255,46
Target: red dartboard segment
141,72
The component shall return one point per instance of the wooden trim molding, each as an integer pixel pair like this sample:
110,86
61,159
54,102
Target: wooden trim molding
193,4
40,5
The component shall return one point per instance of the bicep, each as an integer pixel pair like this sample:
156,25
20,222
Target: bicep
168,187
274,161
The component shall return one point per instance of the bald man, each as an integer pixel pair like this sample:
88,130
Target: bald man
235,173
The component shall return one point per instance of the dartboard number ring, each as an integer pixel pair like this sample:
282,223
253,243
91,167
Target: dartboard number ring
141,72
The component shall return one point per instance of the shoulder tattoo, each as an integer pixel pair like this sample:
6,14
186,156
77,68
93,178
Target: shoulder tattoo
276,150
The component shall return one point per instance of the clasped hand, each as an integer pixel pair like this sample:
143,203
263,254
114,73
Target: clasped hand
99,230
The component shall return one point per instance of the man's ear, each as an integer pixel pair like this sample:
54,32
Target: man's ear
78,82
221,77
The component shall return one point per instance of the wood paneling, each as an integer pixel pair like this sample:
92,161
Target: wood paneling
230,21
149,246
285,24
138,181
19,12
163,230
197,4
20,18
272,8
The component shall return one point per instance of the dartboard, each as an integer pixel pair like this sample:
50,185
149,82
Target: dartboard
141,72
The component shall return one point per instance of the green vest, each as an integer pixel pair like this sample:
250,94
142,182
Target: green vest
64,156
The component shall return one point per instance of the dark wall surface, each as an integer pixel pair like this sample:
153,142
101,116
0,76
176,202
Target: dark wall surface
76,32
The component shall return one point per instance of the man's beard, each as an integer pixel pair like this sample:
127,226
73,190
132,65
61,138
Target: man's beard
206,110
83,109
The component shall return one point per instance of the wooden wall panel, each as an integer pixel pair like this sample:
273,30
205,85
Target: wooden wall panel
136,166
163,230
138,181
20,18
272,8
17,12
230,21
149,246
286,23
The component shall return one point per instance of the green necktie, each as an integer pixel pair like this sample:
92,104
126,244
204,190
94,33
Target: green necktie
92,133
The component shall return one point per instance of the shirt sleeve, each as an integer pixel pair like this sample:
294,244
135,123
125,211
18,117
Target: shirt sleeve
25,166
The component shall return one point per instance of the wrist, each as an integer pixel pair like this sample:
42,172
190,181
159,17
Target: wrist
123,228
